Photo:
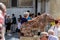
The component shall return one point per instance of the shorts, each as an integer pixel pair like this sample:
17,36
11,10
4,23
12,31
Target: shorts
8,26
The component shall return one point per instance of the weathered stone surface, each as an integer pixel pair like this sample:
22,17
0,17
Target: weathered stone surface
55,8
30,38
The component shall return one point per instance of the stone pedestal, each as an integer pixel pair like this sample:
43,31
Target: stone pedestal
55,8
29,38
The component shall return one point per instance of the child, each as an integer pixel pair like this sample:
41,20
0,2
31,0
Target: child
19,26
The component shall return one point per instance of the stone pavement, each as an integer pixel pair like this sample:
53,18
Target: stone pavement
13,37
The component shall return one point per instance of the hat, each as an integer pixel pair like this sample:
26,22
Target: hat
26,13
42,33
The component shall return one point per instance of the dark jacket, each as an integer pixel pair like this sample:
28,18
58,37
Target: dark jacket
13,20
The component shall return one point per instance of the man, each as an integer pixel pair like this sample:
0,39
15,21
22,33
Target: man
2,14
51,35
13,23
13,19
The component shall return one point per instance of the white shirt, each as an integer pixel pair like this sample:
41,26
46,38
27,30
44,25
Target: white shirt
55,29
19,25
51,37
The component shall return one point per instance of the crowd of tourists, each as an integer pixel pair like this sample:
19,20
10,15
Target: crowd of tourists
19,25
30,25
23,26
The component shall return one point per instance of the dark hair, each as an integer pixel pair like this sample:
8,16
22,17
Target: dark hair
28,11
20,16
35,15
30,15
39,14
13,14
56,21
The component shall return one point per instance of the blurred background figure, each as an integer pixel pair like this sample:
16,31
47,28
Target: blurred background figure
14,21
20,17
8,25
52,36
19,28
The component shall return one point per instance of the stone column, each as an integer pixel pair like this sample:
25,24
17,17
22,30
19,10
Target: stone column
43,6
55,8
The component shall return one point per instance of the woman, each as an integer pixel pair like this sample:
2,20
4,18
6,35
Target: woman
19,27
44,36
56,27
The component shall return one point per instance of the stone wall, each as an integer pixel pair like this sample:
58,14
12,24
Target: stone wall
55,8
6,2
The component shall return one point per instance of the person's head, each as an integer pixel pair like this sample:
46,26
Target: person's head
50,32
28,11
44,36
26,14
13,14
18,20
39,14
3,8
8,16
30,15
56,21
20,16
35,15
